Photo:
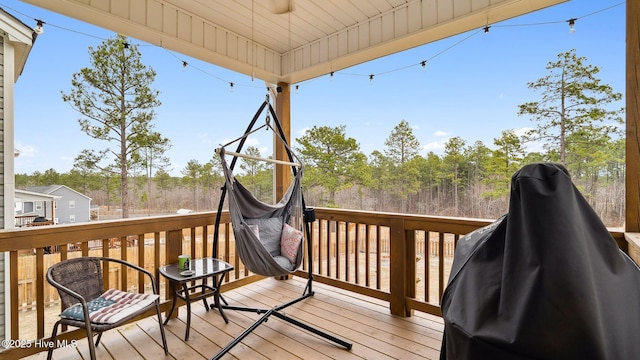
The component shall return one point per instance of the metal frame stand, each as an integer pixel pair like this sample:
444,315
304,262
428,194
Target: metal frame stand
309,217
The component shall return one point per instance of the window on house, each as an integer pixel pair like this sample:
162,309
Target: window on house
72,204
72,218
38,205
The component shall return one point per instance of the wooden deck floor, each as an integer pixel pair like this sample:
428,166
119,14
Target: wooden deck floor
364,321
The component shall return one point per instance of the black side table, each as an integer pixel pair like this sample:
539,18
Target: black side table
200,269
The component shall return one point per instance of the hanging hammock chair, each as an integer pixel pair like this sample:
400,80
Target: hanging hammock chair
268,238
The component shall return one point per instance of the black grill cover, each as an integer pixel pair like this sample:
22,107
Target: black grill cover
545,281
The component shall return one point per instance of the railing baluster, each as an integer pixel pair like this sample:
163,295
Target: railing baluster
357,253
367,251
40,291
347,254
13,281
156,258
141,260
328,224
84,246
124,284
378,257
322,236
440,264
427,264
192,242
205,241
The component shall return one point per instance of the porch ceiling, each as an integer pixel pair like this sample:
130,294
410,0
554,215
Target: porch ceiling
260,38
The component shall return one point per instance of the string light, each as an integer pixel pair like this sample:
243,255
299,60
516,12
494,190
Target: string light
297,87
39,26
572,23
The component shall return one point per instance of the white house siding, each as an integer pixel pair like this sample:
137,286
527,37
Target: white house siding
2,197
16,40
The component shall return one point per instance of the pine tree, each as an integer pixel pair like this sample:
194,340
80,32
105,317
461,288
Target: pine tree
116,103
573,101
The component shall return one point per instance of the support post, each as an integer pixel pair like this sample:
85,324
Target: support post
283,111
632,212
173,249
398,270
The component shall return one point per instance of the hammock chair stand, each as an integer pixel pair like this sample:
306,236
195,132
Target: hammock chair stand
308,217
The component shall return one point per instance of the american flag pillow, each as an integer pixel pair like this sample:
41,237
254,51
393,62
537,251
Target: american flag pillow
113,306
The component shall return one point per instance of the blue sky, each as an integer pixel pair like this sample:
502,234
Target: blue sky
471,87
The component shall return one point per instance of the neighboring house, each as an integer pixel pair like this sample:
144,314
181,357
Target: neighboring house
16,41
30,205
70,207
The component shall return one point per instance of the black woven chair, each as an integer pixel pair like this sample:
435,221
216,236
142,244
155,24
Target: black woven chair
88,305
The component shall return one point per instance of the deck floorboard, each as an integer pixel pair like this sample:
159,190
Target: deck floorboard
361,320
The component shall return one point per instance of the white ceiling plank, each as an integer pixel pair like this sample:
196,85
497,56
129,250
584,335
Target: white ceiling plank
154,16
445,10
318,37
400,20
461,7
184,27
479,4
414,17
197,33
138,12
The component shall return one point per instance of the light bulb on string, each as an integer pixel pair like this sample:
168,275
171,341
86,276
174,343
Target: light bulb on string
230,87
371,79
331,76
297,87
572,23
39,26
486,29
184,65
423,63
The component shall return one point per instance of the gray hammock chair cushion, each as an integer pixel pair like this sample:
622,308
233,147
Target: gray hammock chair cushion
257,226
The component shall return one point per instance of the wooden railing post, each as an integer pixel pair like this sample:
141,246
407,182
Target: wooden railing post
410,267
174,246
173,250
398,269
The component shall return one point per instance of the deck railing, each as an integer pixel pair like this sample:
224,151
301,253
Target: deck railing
400,258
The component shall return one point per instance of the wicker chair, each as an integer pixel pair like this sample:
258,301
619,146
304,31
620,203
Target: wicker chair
87,305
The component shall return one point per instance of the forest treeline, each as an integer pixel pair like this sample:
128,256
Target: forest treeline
576,123
467,180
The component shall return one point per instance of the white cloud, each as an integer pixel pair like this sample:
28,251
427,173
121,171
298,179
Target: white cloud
204,138
434,146
26,150
522,131
440,133
533,146
265,151
252,142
